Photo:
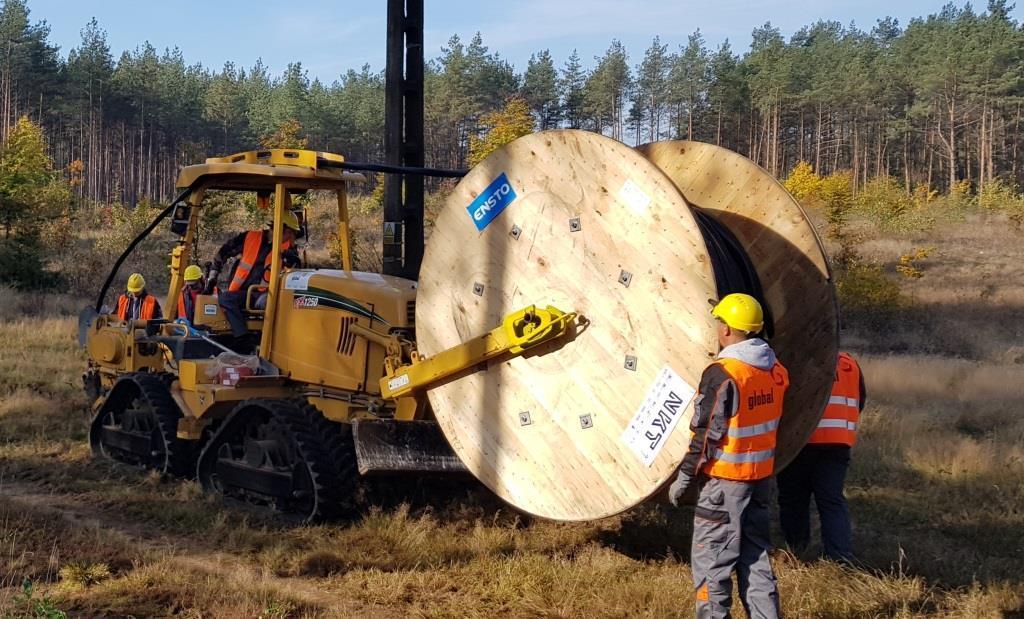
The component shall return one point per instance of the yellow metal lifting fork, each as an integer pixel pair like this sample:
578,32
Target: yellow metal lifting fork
519,331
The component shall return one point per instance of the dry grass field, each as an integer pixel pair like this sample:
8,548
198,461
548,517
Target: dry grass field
936,491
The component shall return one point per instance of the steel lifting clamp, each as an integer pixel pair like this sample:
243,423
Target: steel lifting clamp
531,326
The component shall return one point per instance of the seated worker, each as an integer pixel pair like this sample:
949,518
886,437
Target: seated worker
193,287
253,268
136,303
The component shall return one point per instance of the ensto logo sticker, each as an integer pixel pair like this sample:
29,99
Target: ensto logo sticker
491,201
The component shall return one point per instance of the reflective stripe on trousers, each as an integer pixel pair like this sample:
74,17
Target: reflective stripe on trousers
731,532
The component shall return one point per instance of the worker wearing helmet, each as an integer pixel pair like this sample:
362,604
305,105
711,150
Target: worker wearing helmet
193,287
731,460
820,469
136,303
252,269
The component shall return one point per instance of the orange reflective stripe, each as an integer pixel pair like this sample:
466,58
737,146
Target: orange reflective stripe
747,451
250,253
123,303
838,425
148,309
186,302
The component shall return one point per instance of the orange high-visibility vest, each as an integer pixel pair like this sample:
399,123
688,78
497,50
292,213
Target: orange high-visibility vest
747,451
145,313
838,426
187,303
250,254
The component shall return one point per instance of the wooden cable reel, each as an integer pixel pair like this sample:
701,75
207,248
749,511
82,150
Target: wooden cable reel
791,266
588,427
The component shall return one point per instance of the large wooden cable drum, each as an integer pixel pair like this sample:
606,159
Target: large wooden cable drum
588,427
790,263
636,242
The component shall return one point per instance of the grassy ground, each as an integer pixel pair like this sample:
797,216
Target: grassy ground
936,490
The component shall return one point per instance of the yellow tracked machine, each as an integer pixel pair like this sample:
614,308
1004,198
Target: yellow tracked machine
339,390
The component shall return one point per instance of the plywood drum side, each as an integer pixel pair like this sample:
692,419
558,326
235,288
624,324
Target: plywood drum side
790,263
630,218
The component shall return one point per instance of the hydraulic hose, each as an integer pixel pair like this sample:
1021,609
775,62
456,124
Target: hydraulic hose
131,247
392,169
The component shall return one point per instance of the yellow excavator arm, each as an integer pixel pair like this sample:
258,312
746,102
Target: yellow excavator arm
519,331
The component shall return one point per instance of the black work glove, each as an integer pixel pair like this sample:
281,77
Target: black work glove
211,282
290,258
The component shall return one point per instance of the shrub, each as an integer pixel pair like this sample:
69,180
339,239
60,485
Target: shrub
21,262
802,182
79,574
886,204
960,196
924,196
908,263
864,287
836,196
104,233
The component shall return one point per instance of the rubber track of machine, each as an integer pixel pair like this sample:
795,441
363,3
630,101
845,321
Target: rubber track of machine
318,444
178,455
336,437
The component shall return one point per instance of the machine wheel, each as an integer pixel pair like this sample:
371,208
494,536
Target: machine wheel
138,423
284,454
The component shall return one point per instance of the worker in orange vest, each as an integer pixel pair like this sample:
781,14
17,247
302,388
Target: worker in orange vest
820,469
252,269
731,459
193,287
137,304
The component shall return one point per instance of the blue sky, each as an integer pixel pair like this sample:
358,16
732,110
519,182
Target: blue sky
329,37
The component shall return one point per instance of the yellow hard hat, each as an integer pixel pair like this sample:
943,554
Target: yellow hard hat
291,220
136,282
193,273
740,311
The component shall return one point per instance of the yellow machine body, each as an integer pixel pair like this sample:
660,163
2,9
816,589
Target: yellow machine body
340,340
112,345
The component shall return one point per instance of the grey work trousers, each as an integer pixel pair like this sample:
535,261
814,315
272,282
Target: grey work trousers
731,532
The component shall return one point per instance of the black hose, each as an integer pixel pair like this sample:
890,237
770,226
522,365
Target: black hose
131,247
392,169
734,272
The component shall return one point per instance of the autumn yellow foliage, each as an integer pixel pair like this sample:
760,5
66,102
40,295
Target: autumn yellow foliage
287,135
503,126
908,263
802,182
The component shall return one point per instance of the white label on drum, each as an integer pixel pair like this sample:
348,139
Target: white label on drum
658,416
634,197
298,280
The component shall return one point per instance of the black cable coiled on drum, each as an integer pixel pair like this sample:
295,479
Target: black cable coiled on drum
734,272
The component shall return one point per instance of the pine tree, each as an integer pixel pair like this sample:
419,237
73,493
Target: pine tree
224,105
540,89
571,83
652,87
689,80
607,89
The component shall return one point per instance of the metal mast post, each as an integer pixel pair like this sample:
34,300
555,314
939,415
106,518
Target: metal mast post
403,139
